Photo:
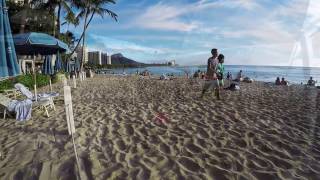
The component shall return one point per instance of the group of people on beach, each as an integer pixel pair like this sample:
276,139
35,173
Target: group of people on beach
215,73
281,82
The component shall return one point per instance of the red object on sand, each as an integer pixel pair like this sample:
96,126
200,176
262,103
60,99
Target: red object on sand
161,118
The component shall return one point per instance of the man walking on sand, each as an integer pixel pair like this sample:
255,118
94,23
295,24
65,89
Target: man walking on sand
211,72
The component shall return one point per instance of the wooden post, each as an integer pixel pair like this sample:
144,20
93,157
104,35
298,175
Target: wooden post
35,77
74,81
65,82
68,109
50,85
35,92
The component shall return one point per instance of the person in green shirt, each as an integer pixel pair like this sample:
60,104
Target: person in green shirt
220,74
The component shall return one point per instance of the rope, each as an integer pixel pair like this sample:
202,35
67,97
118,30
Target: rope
74,146
75,152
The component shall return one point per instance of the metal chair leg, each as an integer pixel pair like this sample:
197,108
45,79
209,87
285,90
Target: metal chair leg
47,113
4,114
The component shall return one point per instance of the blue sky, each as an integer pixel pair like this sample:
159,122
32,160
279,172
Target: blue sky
250,32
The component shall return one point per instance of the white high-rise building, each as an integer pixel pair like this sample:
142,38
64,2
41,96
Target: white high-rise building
109,60
104,58
99,58
95,58
79,54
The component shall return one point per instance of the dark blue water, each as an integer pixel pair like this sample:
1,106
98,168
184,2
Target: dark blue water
294,75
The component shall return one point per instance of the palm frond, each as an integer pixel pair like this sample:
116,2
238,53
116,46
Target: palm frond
103,11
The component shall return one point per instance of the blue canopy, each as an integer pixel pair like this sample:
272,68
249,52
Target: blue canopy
67,67
47,66
38,43
58,64
8,59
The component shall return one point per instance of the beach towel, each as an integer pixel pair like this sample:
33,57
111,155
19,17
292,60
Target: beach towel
233,87
21,108
247,80
24,90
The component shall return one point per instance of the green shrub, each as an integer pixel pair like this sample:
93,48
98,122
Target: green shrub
6,84
42,80
28,80
58,77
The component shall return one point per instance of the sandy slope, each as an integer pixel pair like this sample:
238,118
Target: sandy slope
260,132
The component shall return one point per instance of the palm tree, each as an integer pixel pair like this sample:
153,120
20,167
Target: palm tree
26,8
70,17
51,6
91,8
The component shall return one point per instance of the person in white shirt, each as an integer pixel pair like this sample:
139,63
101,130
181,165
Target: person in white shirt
212,64
211,76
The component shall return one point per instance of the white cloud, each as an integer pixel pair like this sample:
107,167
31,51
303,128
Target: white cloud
102,43
169,17
164,17
244,4
256,32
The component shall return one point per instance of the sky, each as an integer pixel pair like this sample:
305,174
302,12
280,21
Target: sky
247,32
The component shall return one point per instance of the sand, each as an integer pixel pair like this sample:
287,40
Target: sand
259,132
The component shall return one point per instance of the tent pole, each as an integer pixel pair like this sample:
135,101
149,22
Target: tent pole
35,77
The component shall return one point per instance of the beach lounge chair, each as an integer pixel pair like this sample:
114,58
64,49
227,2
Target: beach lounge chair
44,100
22,108
11,93
44,104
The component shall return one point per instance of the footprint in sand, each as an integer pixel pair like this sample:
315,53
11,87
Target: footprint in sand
188,164
129,130
194,149
202,133
120,145
165,148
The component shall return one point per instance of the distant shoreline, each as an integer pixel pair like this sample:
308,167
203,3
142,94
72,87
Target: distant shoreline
295,75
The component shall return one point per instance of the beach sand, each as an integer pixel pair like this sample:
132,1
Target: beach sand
259,132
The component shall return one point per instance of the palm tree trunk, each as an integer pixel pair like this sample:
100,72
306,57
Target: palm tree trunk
54,23
24,16
58,19
84,38
78,43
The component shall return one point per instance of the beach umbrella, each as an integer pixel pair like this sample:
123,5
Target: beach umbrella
58,64
33,43
47,66
8,60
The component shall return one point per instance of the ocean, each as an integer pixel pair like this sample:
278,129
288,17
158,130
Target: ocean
295,75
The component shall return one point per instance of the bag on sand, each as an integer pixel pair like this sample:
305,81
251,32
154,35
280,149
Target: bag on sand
233,87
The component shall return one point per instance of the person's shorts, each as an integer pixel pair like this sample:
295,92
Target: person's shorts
221,83
211,84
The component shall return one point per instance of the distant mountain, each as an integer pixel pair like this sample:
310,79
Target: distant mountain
120,59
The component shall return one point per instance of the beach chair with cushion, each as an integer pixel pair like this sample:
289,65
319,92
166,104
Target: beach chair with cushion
44,100
22,108
12,93
44,104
